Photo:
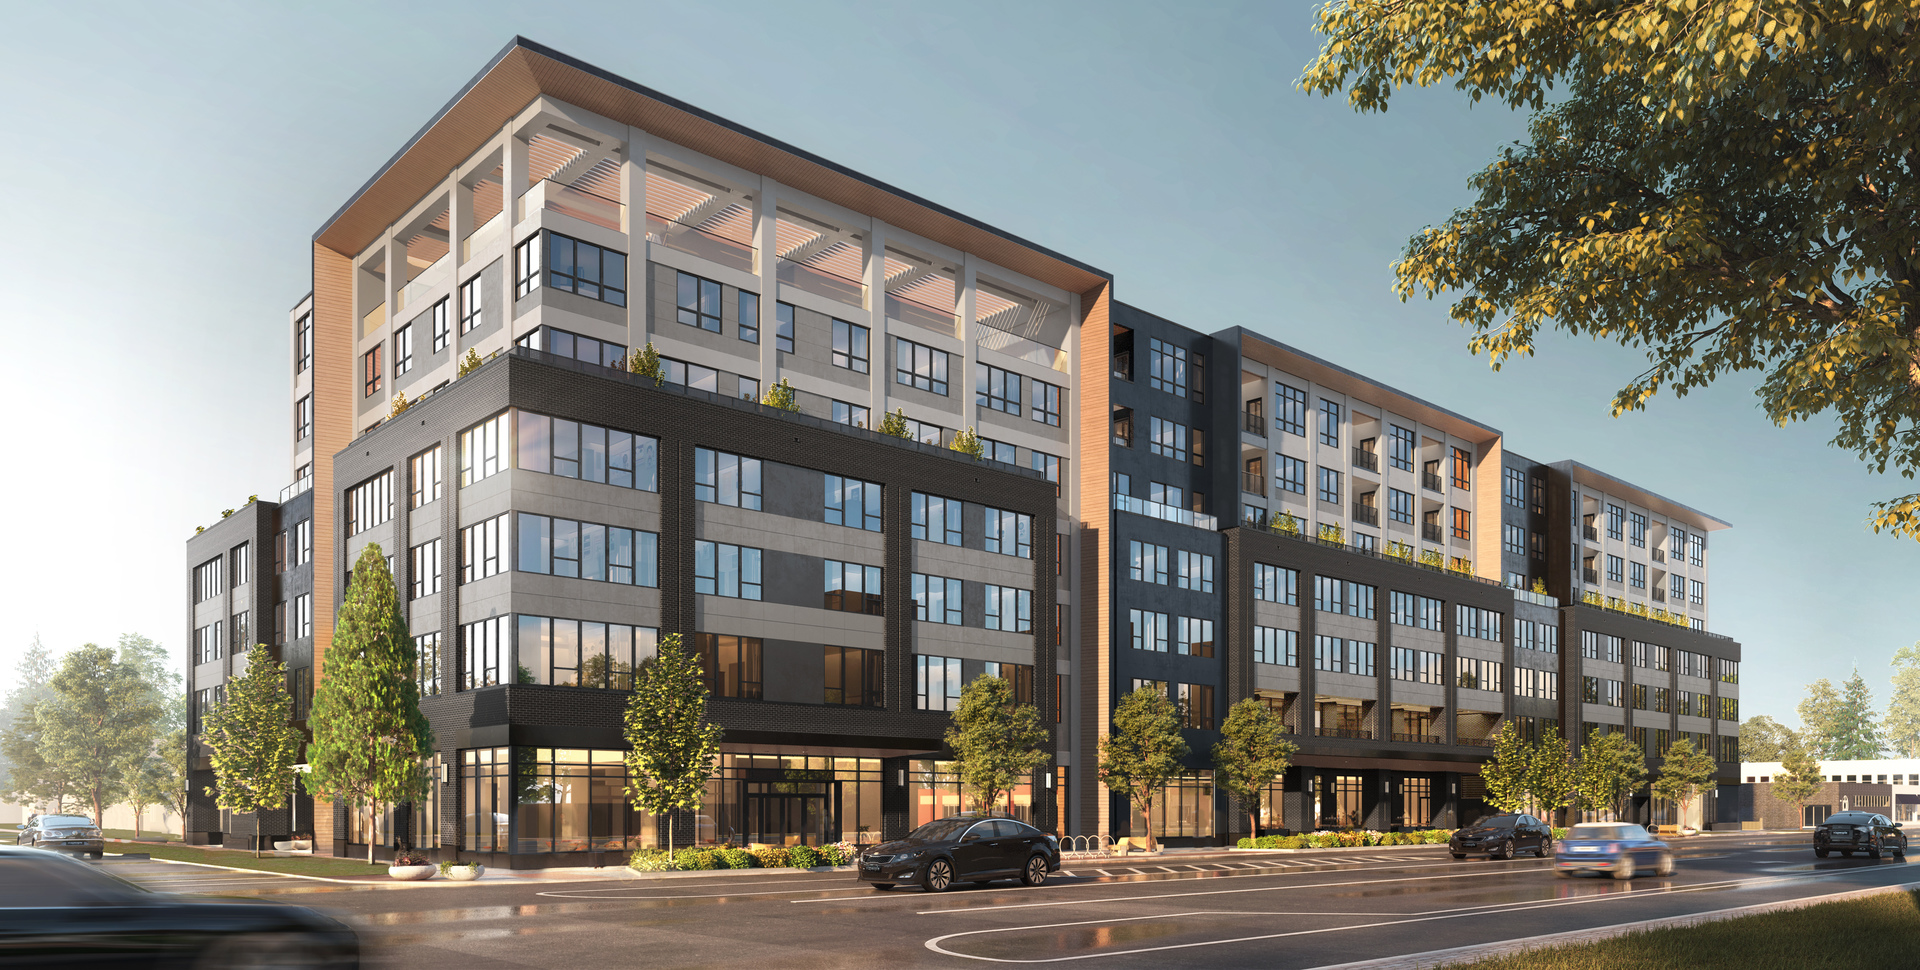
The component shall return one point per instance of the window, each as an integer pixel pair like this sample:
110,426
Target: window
1615,519
853,677
1166,367
1471,621
1009,533
571,449
526,267
1474,673
1544,637
423,478
1123,427
1637,529
303,343
1543,684
564,343
851,414
783,327
1697,549
1678,588
1729,671
1514,540
1147,562
1599,646
926,432
423,569
936,519
303,418
1290,475
1166,438
697,302
1637,575
437,326
426,663
1195,702
487,646
722,569
747,327
1149,630
1417,666
1194,636
918,365
302,626
936,683
1537,542
472,301
726,479
1400,448
1462,469
690,375
850,347
588,550
403,350
1195,572
588,270
371,372
997,389
1329,424
1009,609
853,588
853,503
208,580
370,503
1514,487
483,548
242,557
1407,609
1341,656
1462,524
732,664
483,449
1046,403
937,599
1275,584
1400,506
1696,592
1729,708
1290,410
1329,486
575,653
303,542
1616,569
207,644
1677,544
1278,647
1000,451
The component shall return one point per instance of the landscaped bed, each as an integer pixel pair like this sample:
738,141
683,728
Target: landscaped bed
732,857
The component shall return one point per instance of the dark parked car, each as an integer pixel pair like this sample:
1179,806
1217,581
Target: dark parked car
1850,832
1619,848
971,848
62,833
1500,836
56,911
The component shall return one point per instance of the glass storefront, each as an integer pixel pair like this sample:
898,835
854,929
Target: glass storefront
1183,811
934,793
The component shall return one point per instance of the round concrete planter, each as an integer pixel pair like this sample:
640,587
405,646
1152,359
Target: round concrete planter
460,873
412,873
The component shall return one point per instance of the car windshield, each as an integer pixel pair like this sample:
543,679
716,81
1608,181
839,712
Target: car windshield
64,821
1607,830
1846,820
944,830
1497,822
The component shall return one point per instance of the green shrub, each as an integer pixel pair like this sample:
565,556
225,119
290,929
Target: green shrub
690,860
737,859
772,858
1559,833
803,857
650,860
835,855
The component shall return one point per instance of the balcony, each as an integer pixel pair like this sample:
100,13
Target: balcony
1255,482
429,280
1432,482
902,309
1020,348
1359,734
1593,534
728,249
1363,458
1659,554
1123,365
299,486
375,320
569,201
481,238
1255,424
1659,595
820,282
1366,514
1538,599
1165,513
1404,557
1591,575
1475,742
1419,738
1432,532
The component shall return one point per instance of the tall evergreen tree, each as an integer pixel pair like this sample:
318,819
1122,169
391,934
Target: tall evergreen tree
30,684
995,741
1763,739
1252,752
1856,730
1903,710
1685,774
1820,717
1144,751
672,748
370,741
1611,767
253,742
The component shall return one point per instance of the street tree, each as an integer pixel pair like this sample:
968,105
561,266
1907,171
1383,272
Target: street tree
1551,778
1144,751
1799,779
171,775
370,741
1727,186
99,722
31,778
1903,709
1252,752
252,741
147,786
1763,739
1820,717
1505,774
1685,774
995,741
1853,732
1611,767
672,748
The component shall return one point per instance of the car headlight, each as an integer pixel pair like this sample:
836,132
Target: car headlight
909,856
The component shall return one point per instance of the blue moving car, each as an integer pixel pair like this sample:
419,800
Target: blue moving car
1620,848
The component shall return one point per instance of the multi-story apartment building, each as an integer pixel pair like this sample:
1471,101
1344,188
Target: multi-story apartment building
1217,516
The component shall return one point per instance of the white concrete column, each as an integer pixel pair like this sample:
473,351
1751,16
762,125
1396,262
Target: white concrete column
633,195
962,383
459,225
765,206
880,360
513,179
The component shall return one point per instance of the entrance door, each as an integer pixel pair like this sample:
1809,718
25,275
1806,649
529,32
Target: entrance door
790,813
1813,815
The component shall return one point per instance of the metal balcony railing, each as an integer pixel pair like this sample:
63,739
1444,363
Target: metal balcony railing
1432,533
1432,482
1361,734
1363,458
1659,595
1590,574
1593,534
1255,482
1419,738
1256,424
1366,514
1475,742
1123,365
1659,554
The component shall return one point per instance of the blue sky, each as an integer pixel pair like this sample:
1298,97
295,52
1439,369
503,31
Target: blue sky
170,163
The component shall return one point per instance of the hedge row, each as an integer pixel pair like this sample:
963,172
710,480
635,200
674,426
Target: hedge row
730,857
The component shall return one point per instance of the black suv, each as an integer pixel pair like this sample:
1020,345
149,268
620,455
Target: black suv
972,848
1500,836
1850,832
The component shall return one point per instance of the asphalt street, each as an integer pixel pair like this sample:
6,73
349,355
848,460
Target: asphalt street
1282,911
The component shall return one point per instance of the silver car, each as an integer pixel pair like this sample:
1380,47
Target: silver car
62,833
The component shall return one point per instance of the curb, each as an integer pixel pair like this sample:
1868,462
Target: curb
635,874
1465,954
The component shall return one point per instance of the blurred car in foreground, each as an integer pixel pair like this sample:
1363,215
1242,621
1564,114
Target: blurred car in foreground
1620,848
1500,836
62,833
1850,832
56,911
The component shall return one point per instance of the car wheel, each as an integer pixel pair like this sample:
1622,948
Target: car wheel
1459,855
1036,871
882,886
1665,866
1546,848
1819,852
1873,849
263,950
939,876
1625,869
1506,849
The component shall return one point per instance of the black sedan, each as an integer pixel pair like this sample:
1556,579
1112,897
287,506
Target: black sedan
971,848
1850,832
56,911
1501,836
62,833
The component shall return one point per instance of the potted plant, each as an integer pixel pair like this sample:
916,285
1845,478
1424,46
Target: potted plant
410,866
462,871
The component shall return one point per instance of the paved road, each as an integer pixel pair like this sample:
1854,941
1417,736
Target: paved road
1290,911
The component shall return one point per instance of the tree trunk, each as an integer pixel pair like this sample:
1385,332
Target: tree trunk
136,825
1146,817
370,823
1253,824
670,845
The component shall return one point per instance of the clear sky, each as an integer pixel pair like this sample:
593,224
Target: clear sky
170,163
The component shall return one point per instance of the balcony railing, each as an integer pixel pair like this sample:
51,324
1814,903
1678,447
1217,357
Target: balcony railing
569,201
1123,365
1366,513
1591,575
1167,513
1020,348
1593,534
1659,554
375,320
1361,734
481,238
1431,532
1659,595
1419,738
1255,482
819,282
693,241
1302,535
299,486
1256,424
902,310
1363,458
428,281
1538,599
1475,742
1432,482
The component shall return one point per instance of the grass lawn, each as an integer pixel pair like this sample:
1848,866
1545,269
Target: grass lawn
298,865
1878,931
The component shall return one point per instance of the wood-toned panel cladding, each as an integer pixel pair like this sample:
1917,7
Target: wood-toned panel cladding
1094,458
522,73
333,397
1488,489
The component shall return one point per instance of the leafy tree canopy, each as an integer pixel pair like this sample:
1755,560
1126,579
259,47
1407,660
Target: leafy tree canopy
672,749
1505,773
1685,772
1903,710
1729,186
1800,778
1252,752
100,720
1145,749
252,740
1839,723
1611,768
995,742
1764,739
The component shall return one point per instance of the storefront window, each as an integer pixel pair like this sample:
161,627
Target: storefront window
1184,810
485,796
936,794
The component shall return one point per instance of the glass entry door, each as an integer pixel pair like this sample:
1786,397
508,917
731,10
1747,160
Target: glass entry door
791,813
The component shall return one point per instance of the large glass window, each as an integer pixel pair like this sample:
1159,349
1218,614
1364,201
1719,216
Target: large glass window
437,322
697,302
783,327
426,663
208,579
483,548
303,418
1339,655
486,783
580,653
1167,438
732,664
853,503
472,302
370,503
937,599
1183,809
588,550
1149,630
423,478
424,569
1418,666
1330,486
1462,469
936,519
1400,506
853,588
1470,621
747,328
1148,562
483,449
1514,487
1276,584
1290,475
1330,423
723,569
1009,609
726,479
485,647
403,350
1274,646
1009,533
587,269
1290,409
1400,448
573,800
1193,636
573,346
303,343
526,267
918,365
1046,403
937,683
371,371
1195,571
850,346
854,677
